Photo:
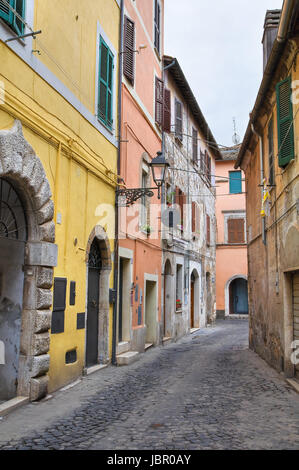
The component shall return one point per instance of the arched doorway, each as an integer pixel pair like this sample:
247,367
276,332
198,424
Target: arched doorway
13,237
98,258
194,300
27,223
238,297
93,300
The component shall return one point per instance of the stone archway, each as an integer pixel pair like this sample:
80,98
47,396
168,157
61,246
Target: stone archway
100,236
227,291
168,299
21,167
194,300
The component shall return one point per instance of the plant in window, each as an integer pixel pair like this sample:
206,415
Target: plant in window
178,304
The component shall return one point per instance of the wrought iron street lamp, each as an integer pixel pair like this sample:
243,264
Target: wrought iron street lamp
159,167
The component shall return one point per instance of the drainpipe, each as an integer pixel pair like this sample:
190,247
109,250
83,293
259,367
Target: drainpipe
286,13
262,176
119,130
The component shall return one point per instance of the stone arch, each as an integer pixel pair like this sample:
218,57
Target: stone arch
194,299
168,298
99,234
23,169
226,291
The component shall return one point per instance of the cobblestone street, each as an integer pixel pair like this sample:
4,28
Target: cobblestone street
207,391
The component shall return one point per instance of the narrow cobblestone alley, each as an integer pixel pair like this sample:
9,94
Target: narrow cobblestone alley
207,391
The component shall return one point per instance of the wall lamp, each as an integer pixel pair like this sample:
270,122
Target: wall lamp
159,167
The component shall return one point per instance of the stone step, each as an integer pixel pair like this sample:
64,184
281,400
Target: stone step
122,347
10,405
147,346
127,358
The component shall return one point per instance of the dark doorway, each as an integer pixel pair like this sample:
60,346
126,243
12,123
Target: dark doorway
93,300
192,300
238,297
13,236
120,299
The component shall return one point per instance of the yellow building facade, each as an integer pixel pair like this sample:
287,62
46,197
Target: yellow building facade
58,165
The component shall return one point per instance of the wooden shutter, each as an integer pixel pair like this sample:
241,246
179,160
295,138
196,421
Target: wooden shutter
178,120
235,228
235,182
129,45
105,84
209,168
157,25
208,230
20,9
285,122
159,101
167,111
194,145
194,214
5,13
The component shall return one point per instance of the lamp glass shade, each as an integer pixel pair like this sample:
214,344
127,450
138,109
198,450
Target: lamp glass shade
159,166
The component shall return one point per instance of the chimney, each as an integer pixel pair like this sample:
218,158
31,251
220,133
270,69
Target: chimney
270,32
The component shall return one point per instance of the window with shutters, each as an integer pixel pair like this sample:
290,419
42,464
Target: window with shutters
157,26
194,146
285,122
178,120
129,47
235,182
14,20
271,152
159,101
236,231
180,200
105,101
167,111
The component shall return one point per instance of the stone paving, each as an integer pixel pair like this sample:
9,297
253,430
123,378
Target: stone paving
207,391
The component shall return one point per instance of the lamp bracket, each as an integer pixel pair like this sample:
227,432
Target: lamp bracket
132,195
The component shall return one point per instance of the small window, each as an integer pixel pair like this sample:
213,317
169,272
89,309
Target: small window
105,84
179,287
235,182
235,231
208,230
143,209
13,20
157,25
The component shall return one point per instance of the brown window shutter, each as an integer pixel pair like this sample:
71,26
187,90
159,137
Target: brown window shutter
167,111
208,230
235,228
159,101
129,44
209,169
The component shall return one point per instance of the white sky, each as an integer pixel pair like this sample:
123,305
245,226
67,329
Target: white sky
218,45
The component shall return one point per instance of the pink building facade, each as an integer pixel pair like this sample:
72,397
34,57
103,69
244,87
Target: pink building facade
231,247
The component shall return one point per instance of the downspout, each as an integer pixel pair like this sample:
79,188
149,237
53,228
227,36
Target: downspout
119,130
286,13
262,176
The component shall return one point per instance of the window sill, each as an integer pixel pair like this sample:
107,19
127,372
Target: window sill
286,168
111,131
179,311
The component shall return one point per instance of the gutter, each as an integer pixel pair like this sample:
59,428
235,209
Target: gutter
116,240
278,46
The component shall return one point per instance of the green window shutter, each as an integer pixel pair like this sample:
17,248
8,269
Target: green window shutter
235,182
105,101
285,122
5,13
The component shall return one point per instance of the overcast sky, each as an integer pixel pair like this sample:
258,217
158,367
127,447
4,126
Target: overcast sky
218,45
